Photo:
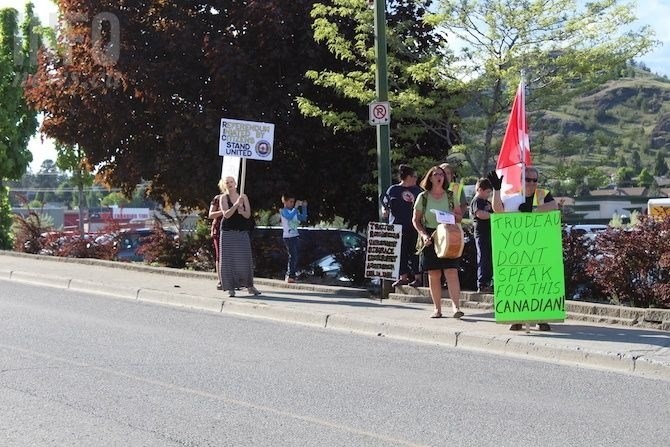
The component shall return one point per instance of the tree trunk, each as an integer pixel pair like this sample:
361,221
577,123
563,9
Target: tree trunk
80,189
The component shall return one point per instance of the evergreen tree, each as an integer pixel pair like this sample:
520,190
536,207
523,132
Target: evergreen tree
645,178
635,161
660,165
622,163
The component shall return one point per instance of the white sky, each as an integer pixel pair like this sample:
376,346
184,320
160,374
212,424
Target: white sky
649,12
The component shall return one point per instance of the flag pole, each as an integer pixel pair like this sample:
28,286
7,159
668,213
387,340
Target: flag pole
522,111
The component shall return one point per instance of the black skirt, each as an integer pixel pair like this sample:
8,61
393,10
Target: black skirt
428,260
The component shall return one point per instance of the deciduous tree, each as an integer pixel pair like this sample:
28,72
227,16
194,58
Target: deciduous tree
424,121
143,87
73,159
562,46
18,49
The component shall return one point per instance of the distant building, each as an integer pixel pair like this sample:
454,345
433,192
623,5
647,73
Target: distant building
602,204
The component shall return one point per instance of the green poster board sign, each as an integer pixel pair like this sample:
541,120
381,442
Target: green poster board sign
528,267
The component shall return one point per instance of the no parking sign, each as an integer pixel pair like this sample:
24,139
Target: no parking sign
380,113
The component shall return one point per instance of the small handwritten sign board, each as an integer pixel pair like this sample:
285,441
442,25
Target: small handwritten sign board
528,267
382,259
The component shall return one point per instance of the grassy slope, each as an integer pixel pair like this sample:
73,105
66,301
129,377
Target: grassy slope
622,116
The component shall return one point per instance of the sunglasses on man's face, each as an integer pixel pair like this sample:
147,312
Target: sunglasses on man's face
531,180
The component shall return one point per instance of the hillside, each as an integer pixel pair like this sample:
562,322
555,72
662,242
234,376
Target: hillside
604,128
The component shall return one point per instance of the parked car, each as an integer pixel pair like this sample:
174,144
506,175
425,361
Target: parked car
335,255
315,244
128,243
585,229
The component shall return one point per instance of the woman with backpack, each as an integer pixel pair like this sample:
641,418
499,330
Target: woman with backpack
436,200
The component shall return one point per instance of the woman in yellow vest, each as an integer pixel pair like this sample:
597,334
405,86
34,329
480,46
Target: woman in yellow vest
535,200
456,188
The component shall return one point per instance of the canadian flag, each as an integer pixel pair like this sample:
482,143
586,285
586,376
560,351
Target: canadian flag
515,151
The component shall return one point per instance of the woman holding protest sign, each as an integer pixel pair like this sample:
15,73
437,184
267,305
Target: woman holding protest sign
236,266
433,206
529,199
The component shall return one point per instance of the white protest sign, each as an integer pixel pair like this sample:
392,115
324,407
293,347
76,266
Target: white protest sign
382,259
444,217
231,168
246,139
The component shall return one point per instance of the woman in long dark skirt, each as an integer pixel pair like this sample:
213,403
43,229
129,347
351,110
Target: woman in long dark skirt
236,265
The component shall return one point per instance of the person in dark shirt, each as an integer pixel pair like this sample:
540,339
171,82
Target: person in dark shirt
398,208
481,210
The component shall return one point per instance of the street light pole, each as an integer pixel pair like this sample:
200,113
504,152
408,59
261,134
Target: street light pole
382,88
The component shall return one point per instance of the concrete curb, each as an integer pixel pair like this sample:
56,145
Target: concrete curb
651,368
528,347
535,349
658,319
276,283
367,326
45,280
80,285
180,300
264,310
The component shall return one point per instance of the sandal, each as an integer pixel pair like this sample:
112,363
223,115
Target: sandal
436,314
458,314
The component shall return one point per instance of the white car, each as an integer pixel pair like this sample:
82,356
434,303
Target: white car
587,230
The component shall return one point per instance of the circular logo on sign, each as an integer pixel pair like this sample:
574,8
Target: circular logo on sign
407,196
263,148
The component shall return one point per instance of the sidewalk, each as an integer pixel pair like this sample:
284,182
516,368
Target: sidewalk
618,348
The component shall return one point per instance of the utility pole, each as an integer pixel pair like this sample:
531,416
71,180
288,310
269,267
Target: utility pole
382,88
383,130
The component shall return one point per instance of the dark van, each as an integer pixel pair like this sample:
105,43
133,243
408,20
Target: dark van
315,244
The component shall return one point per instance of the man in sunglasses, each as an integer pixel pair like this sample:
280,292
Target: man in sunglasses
536,199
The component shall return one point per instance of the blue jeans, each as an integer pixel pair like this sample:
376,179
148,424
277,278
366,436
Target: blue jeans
292,244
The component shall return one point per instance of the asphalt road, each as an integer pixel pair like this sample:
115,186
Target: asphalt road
91,370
